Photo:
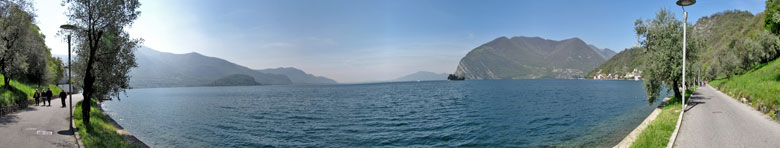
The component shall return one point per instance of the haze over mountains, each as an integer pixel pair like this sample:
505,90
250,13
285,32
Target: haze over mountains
297,76
531,57
422,76
162,69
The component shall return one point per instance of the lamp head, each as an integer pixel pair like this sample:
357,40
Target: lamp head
69,27
685,2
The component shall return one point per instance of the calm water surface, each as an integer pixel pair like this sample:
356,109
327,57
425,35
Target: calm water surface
490,113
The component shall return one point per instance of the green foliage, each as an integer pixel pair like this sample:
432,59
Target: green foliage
761,85
23,54
105,50
772,19
736,43
661,39
658,132
103,134
15,38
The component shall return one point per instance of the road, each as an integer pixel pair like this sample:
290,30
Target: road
714,120
38,126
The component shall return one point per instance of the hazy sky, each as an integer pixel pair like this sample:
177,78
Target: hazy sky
370,40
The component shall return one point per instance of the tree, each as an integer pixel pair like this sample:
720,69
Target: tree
105,51
772,19
15,19
41,68
661,39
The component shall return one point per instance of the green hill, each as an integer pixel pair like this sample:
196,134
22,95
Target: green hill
235,80
528,58
623,62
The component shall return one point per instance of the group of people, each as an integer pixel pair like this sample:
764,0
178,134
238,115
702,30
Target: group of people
47,96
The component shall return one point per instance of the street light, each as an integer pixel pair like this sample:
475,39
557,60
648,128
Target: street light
70,85
683,3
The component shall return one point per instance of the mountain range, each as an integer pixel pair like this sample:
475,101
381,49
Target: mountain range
162,69
297,76
531,57
422,76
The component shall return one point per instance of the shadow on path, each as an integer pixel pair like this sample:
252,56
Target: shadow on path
65,132
696,99
9,119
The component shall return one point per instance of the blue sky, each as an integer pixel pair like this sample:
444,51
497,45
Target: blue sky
374,40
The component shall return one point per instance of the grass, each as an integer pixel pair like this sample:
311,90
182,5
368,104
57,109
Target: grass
20,91
103,133
761,86
658,132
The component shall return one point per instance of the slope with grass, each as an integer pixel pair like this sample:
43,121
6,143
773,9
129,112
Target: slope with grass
103,133
20,91
760,86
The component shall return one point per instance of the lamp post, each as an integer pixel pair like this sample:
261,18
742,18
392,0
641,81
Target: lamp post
683,3
70,84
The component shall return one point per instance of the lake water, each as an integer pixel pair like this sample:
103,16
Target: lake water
487,113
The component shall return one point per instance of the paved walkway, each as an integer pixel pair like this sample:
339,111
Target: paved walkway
714,120
38,126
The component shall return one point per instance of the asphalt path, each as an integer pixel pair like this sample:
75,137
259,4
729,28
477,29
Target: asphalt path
713,119
38,127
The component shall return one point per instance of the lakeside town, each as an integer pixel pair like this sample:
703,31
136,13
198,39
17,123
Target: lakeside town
636,75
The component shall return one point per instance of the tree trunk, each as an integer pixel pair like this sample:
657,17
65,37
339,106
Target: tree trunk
89,80
677,92
7,82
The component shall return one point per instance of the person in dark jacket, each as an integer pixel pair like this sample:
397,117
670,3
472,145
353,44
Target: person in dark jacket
48,95
63,95
37,97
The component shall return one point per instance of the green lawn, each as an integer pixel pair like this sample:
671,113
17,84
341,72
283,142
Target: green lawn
103,133
20,91
658,132
761,86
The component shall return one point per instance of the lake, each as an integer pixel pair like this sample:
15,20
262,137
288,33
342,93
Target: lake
484,113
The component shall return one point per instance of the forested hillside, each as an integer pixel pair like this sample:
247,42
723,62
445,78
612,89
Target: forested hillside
623,62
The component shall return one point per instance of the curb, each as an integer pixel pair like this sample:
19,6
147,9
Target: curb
76,135
631,137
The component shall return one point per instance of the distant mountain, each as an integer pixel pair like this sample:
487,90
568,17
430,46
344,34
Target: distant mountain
529,57
297,76
234,80
422,76
162,69
606,53
624,62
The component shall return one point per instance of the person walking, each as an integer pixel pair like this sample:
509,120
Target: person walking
48,95
37,96
63,95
